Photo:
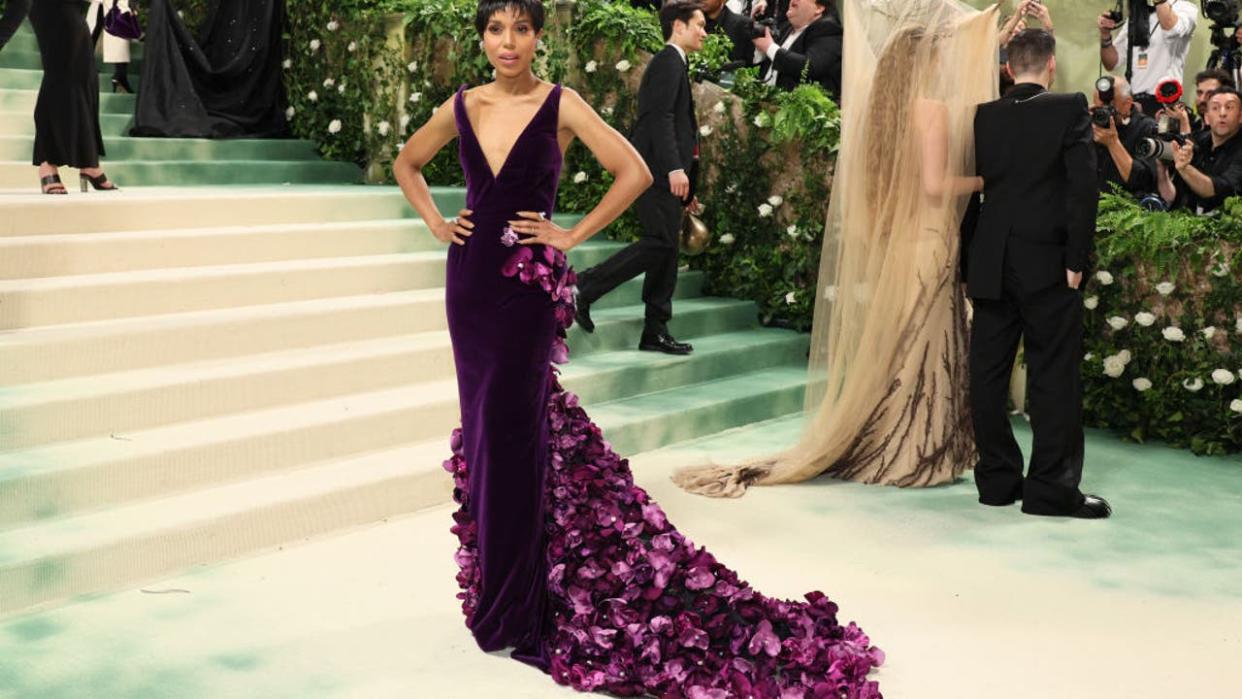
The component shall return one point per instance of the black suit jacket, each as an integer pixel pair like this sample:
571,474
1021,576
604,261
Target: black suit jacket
817,49
737,28
666,132
1037,216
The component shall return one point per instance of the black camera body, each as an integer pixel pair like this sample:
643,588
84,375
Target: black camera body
757,27
1104,116
1222,12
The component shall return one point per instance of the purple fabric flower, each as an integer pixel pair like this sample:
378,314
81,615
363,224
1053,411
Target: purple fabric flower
635,608
508,237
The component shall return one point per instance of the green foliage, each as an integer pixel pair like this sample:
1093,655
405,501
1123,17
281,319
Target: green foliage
620,29
1182,270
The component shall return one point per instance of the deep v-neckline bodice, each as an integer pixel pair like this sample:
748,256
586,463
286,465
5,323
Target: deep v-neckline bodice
469,130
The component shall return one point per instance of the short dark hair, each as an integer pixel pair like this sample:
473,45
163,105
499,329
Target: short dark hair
1225,91
677,11
1030,49
1220,76
531,8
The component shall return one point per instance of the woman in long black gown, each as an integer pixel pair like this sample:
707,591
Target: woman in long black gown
67,111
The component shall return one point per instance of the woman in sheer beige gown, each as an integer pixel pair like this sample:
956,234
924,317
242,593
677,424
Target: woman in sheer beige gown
887,395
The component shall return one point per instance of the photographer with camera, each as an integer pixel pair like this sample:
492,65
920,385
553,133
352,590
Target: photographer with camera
1208,167
810,42
1170,27
1118,129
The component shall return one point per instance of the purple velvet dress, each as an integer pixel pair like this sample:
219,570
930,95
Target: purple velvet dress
563,558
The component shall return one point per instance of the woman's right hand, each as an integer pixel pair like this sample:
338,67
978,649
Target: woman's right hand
454,230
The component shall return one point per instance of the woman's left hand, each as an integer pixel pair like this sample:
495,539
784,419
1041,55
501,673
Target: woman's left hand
542,231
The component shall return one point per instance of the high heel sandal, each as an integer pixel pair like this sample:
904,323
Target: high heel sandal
51,184
100,183
121,85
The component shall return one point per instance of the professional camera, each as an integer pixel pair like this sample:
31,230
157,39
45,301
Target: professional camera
757,27
1223,12
1223,15
1105,115
1161,147
1153,202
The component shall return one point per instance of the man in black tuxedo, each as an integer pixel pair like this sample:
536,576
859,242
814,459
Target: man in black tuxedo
666,135
811,41
1025,249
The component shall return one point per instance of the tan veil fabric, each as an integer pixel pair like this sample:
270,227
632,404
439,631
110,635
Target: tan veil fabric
888,296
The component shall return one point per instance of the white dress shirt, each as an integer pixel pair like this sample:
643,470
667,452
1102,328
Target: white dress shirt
1165,58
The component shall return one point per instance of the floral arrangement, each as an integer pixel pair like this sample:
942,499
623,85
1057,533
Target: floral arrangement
1164,327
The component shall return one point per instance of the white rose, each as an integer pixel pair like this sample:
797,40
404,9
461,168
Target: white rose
622,65
727,239
761,119
287,63
383,128
792,231
1091,302
830,292
1193,385
1124,356
1088,356
289,113
312,96
314,44
590,67
1144,319
1173,334
1104,277
341,88
606,111
1117,322
1113,366
1236,405
416,97
765,210
705,130
1223,377
412,66
775,200
333,26
1165,288
329,83
1141,384
397,148
580,177
719,108
791,297
1209,332
334,126
353,46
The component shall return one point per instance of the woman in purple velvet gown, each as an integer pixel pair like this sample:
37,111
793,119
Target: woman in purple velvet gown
562,557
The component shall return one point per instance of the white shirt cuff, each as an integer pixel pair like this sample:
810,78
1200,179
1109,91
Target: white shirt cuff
771,52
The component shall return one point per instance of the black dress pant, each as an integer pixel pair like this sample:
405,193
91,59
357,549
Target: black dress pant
67,110
1049,322
655,255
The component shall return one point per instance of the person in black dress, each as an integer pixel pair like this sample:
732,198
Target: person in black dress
67,111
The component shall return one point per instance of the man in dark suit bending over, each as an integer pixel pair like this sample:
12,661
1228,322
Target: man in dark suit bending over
1025,250
666,135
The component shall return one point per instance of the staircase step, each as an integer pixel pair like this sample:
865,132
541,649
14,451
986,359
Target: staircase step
169,173
21,123
40,256
23,100
18,147
165,208
31,77
653,420
31,355
86,475
30,59
56,300
143,461
54,561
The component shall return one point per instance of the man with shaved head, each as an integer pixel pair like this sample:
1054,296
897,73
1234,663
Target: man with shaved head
1115,143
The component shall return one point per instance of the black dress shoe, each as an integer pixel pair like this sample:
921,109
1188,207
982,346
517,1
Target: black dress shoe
665,343
582,316
1092,507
